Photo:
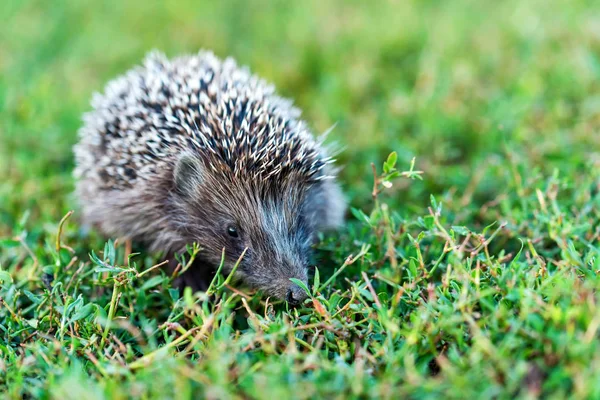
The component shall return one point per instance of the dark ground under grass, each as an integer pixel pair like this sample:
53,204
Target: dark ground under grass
478,281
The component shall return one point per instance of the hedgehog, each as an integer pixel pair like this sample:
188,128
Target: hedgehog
196,149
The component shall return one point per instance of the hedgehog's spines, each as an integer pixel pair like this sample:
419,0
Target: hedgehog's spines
153,112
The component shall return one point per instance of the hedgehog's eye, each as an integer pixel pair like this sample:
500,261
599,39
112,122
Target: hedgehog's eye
232,231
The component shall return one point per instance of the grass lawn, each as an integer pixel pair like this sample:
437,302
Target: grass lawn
478,278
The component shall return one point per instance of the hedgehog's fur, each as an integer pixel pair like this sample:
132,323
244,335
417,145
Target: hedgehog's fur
180,151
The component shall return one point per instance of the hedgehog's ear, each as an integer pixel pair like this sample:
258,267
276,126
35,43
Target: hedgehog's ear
188,174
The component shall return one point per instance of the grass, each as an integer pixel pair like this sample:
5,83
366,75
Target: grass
478,281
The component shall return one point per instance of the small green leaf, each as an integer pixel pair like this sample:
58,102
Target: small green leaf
359,215
302,285
152,282
390,163
429,222
35,299
100,316
487,228
174,294
83,312
6,243
434,203
392,175
412,267
5,276
110,252
24,219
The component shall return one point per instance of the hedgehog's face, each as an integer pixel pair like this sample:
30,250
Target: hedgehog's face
267,227
271,244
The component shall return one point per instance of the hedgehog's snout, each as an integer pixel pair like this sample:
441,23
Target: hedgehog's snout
295,295
275,279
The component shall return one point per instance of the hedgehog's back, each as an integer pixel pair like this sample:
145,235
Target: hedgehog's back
193,103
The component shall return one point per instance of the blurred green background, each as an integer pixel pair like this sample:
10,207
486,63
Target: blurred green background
457,84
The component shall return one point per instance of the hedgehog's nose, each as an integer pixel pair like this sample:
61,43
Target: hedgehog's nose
295,295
